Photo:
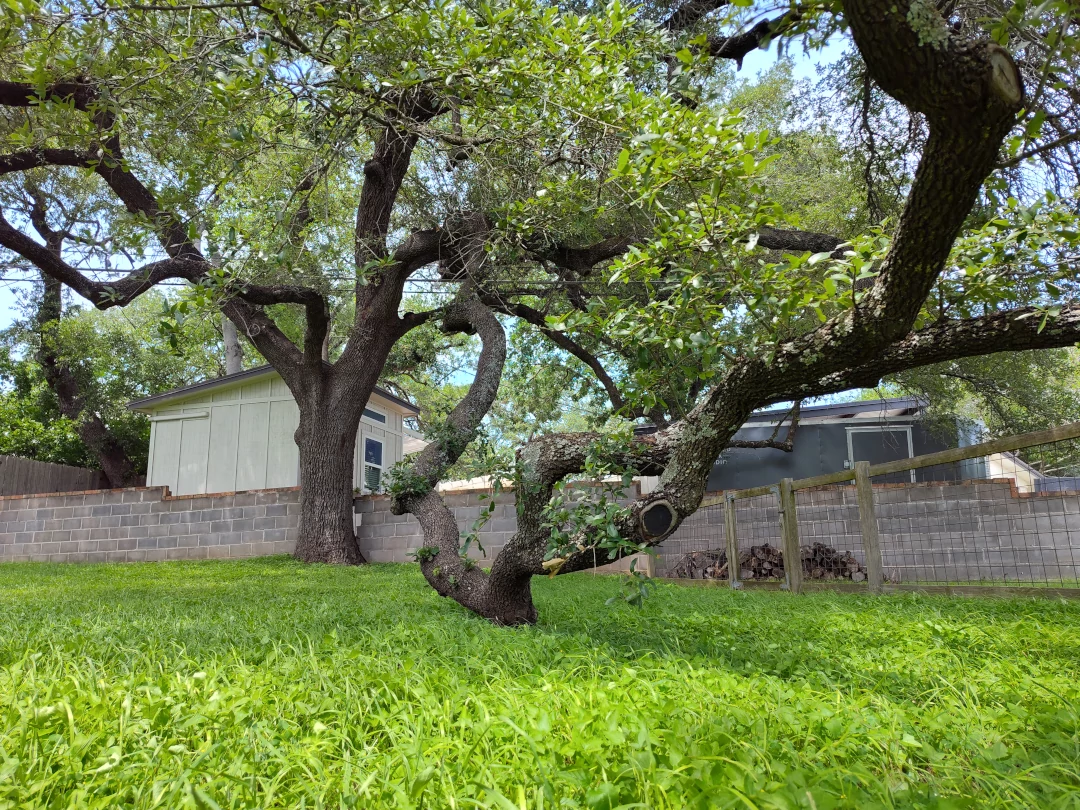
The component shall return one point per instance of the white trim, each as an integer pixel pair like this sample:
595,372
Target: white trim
386,417
172,417
364,463
880,429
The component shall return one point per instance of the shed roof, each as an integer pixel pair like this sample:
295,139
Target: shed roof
880,408
228,379
863,409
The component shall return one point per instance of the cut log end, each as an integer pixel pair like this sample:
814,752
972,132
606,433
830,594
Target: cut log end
1005,76
657,519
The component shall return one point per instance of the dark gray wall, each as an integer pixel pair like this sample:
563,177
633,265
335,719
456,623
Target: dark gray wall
819,449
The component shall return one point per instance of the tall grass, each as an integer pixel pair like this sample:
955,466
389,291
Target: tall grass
269,684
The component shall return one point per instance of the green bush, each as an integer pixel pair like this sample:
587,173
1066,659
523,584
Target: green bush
270,684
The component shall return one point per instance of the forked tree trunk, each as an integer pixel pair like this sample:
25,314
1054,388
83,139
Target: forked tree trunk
327,444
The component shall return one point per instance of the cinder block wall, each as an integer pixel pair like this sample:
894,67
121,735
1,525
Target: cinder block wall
973,531
385,537
967,532
145,523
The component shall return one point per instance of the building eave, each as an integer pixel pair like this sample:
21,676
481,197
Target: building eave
148,403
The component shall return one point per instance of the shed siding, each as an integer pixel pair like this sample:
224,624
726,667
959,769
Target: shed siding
241,438
251,449
224,436
166,453
283,458
194,446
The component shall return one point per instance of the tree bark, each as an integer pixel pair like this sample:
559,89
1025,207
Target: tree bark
326,439
114,461
234,352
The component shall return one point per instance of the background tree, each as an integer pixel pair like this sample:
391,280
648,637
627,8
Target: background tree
275,156
104,360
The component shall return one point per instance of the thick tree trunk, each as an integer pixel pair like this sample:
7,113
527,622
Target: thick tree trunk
327,444
509,600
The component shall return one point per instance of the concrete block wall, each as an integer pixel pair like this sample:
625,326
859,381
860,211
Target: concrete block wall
385,537
966,532
146,523
974,531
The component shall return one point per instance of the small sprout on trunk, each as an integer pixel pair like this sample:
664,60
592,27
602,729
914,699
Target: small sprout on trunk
426,553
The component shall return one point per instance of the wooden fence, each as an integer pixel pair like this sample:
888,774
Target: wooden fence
23,476
861,473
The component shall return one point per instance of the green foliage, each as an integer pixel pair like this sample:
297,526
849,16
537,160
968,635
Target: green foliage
116,357
636,586
999,394
584,511
29,430
266,683
426,553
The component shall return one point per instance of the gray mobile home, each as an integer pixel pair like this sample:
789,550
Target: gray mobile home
833,437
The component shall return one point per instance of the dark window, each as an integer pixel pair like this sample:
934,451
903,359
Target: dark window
375,416
373,452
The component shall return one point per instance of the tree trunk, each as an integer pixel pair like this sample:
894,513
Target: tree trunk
95,434
509,600
234,352
327,442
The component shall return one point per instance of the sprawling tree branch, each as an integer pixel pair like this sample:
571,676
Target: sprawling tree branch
564,342
772,443
447,571
1009,331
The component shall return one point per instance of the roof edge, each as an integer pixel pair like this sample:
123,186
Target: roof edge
228,379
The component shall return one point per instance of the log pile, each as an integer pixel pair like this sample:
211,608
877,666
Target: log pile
766,562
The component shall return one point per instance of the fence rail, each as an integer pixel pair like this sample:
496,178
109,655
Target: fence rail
953,534
24,476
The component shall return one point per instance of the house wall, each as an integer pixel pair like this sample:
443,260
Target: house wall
819,448
240,438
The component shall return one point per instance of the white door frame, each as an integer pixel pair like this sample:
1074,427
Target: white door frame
881,429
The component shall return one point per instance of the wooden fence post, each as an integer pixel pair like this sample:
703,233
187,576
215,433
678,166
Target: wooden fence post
789,525
864,492
731,542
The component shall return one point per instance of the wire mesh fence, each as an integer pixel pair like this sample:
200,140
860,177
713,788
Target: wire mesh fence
759,539
830,540
1002,519
1001,514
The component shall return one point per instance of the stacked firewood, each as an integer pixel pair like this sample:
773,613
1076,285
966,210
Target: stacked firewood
819,561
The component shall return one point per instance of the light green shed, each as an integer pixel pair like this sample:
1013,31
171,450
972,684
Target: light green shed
236,433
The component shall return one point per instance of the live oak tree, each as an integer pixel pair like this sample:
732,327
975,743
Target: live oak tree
282,156
952,279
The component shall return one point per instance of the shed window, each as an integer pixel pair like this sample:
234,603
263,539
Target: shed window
375,416
373,464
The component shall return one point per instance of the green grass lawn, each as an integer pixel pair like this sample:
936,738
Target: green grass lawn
269,684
